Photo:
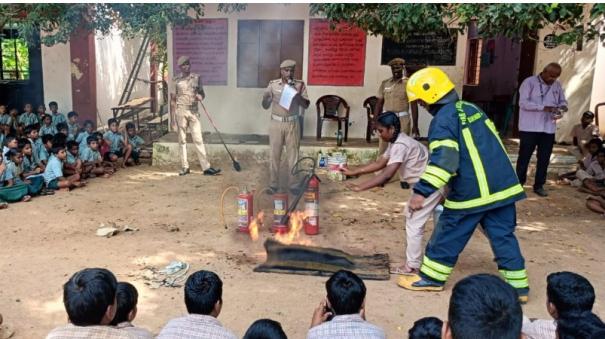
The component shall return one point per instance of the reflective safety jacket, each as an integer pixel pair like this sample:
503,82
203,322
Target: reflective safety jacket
468,155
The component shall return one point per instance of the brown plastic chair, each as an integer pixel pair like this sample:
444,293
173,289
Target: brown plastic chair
370,104
331,104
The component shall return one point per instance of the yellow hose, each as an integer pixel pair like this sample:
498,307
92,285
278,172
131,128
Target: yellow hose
223,203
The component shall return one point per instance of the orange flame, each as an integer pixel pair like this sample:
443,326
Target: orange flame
255,225
293,236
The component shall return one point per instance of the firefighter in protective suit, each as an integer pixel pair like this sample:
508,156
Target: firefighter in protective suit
468,156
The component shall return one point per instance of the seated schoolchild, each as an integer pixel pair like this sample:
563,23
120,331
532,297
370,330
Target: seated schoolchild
135,142
47,126
31,170
10,191
127,297
84,134
15,166
265,329
53,174
92,161
118,147
426,328
72,164
593,177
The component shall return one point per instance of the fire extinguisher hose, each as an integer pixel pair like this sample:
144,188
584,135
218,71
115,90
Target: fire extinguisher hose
223,203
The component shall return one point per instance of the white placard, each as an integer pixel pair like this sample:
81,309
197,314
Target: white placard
287,95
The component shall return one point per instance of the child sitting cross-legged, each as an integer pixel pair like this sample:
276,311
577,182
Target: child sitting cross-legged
30,170
118,147
593,177
135,142
15,167
47,126
126,298
83,135
92,161
73,164
53,174
9,190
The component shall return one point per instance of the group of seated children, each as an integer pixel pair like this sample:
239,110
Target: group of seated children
43,152
590,175
481,306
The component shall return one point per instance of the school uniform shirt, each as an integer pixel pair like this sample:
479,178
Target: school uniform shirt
539,328
141,333
28,164
349,326
88,155
44,130
81,139
589,159
72,130
71,159
136,142
54,169
411,154
115,140
5,119
596,171
5,175
14,169
43,154
58,118
71,331
4,150
2,138
195,326
28,119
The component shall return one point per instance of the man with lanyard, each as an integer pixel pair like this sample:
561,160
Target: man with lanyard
392,98
284,129
468,156
541,103
189,91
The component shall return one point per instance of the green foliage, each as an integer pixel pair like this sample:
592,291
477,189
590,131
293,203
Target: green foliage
569,22
15,57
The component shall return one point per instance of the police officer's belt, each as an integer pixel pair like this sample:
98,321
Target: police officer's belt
402,114
289,118
192,107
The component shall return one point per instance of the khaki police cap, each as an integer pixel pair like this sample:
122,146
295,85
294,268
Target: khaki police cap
287,63
396,61
182,59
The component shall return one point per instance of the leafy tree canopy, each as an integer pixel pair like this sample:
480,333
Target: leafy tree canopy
569,22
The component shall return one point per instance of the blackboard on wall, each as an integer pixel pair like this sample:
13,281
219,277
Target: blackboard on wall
423,48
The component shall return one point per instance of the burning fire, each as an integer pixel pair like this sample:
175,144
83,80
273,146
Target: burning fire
255,225
296,224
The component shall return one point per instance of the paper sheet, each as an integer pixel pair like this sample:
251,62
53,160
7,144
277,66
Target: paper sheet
287,95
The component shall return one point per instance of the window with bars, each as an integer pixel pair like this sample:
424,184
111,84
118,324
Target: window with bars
15,56
473,66
262,45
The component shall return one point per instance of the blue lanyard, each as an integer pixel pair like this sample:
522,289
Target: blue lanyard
542,94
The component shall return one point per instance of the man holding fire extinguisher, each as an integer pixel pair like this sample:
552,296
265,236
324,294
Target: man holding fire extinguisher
285,96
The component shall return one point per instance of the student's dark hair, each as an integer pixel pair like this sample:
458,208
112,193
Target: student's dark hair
47,137
588,113
265,329
595,141
573,296
91,138
59,139
202,290
426,328
29,129
72,143
601,151
127,298
21,142
346,292
484,306
57,148
129,125
88,122
87,294
9,138
388,120
53,103
11,153
47,116
598,335
72,114
61,126
111,121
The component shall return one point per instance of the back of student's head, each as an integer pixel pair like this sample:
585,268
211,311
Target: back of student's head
426,328
265,329
48,137
579,326
483,306
88,294
59,139
346,292
569,292
126,298
203,290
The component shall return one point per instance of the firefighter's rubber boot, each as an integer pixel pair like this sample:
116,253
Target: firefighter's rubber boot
417,283
523,295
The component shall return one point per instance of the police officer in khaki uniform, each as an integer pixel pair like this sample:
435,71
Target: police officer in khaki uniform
284,129
393,97
189,91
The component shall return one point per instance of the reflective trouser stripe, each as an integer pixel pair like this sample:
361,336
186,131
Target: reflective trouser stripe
434,274
443,143
517,279
435,270
502,195
437,266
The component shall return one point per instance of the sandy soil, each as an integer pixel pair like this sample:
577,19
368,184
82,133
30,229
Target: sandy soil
46,240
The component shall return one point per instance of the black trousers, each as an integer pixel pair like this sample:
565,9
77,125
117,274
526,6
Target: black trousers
529,142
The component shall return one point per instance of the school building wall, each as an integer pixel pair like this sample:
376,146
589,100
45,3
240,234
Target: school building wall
114,58
598,84
238,110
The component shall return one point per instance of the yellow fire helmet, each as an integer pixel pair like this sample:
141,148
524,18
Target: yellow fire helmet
429,85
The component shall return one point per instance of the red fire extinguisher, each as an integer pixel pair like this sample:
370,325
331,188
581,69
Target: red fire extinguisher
280,208
311,222
245,210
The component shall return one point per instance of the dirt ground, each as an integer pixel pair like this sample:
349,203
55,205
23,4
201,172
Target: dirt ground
45,241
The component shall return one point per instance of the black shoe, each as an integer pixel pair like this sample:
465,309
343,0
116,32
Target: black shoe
541,192
212,171
184,171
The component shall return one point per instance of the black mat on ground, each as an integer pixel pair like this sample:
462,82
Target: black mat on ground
321,261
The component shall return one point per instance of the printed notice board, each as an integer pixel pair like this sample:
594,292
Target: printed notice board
422,48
